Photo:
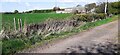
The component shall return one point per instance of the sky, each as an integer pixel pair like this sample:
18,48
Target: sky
26,5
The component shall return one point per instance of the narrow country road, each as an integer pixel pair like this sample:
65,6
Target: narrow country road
100,34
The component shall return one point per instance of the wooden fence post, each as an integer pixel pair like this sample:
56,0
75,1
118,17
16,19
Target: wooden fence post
14,24
25,27
20,25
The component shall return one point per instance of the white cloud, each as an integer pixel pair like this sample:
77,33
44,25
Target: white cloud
65,1
87,1
36,7
10,0
106,0
0,7
27,4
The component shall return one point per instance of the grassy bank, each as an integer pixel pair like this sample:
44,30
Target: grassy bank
14,45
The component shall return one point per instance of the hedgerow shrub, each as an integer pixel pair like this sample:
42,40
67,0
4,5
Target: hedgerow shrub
90,17
102,16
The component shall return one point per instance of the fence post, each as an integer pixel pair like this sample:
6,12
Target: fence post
20,25
25,27
14,24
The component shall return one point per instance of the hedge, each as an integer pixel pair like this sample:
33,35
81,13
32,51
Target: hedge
89,17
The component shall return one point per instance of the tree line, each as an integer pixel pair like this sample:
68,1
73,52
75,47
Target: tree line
112,7
40,11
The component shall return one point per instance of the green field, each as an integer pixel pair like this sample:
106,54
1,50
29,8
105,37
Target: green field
7,19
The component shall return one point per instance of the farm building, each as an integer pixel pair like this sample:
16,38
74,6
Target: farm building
66,10
80,9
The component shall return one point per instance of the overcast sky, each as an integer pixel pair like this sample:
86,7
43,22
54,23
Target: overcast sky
25,5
